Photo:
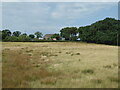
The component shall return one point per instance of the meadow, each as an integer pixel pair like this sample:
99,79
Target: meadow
59,65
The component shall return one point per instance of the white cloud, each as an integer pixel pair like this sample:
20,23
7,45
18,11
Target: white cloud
77,10
48,17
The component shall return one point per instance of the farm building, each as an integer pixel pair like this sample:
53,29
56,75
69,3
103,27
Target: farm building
48,37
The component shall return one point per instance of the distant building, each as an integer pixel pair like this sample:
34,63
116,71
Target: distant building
41,38
48,37
78,39
54,39
63,38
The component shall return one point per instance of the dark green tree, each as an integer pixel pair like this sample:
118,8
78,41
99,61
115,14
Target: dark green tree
24,38
57,36
69,33
16,33
24,34
5,33
0,35
11,39
31,36
104,32
38,34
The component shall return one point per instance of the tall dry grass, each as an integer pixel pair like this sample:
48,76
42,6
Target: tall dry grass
59,65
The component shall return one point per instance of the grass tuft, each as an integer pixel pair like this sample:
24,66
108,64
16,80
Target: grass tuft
79,59
28,51
114,64
107,66
88,71
77,54
68,52
114,79
59,52
98,81
72,54
49,80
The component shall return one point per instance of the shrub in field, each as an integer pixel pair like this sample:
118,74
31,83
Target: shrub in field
77,54
88,71
118,66
59,52
107,66
68,52
72,54
79,60
38,65
29,51
114,64
6,49
45,54
53,55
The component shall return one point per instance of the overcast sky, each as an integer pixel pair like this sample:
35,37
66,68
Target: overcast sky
60,0
50,17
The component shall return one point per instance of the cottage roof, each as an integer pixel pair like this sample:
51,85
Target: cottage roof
48,35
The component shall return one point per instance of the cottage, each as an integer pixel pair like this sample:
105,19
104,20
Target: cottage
48,37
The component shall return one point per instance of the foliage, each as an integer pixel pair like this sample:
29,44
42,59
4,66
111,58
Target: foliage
16,33
57,36
24,38
31,36
38,34
69,33
6,33
105,31
24,34
0,35
11,38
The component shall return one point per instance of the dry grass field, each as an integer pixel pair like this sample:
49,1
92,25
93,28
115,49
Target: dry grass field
59,65
0,65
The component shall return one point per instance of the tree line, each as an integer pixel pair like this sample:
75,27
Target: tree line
105,31
7,35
